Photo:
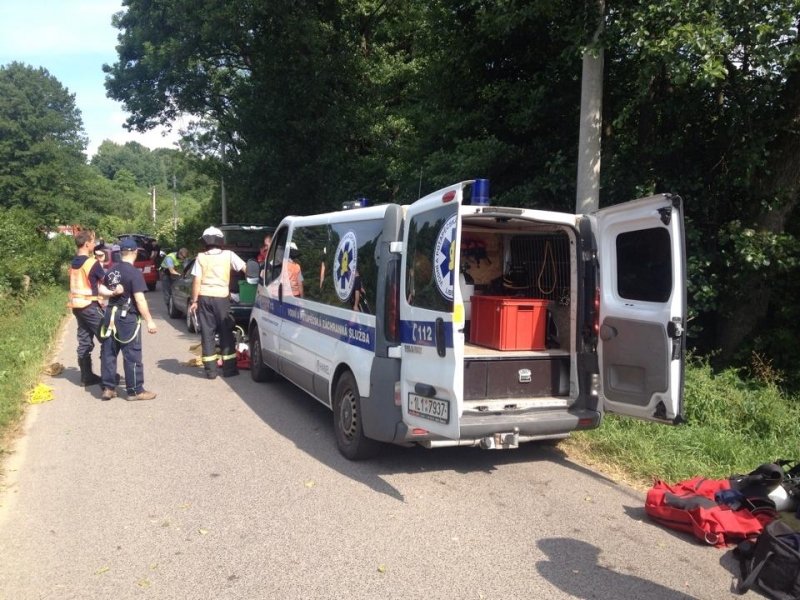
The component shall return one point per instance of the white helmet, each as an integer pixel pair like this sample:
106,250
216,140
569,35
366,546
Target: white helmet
213,237
783,501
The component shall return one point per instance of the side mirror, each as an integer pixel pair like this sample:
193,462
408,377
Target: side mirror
252,271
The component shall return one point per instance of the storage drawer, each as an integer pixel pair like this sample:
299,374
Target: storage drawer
516,378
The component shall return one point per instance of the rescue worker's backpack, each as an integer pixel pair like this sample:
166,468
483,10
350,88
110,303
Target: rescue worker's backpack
772,563
709,509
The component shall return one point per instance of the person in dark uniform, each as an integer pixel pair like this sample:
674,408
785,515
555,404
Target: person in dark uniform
121,330
211,302
85,274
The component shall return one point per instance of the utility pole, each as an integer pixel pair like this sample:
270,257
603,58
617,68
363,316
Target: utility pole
153,202
174,205
587,197
223,200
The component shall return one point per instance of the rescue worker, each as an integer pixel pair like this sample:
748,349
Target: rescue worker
210,302
85,274
295,271
170,272
121,329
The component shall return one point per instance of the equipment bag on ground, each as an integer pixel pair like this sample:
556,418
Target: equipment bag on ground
772,563
705,508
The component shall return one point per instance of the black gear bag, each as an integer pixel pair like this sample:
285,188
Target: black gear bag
771,563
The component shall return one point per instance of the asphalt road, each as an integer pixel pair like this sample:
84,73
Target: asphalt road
229,489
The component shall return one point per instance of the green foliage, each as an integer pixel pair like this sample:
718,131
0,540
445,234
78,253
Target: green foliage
41,143
29,259
131,172
29,330
772,254
733,425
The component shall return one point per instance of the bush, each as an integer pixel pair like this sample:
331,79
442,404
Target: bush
30,260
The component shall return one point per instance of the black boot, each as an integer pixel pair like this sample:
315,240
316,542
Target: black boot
87,377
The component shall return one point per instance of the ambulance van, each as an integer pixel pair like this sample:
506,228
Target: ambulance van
451,321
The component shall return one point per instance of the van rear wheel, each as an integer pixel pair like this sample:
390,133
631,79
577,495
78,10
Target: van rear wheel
258,370
347,421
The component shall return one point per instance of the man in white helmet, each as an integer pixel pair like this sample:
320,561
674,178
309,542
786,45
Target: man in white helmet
211,302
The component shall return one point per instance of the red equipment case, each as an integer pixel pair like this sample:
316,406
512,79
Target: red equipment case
507,323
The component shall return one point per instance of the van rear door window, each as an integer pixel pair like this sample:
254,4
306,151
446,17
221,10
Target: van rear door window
644,265
421,281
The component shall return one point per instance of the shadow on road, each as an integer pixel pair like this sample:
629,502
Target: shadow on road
727,559
309,426
574,568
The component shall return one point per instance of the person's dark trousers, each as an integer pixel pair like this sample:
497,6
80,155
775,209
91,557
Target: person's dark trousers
126,339
213,315
89,320
166,286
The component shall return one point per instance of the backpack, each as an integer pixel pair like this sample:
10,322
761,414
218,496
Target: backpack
772,563
709,509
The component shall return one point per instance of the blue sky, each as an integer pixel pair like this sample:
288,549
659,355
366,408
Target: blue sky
72,39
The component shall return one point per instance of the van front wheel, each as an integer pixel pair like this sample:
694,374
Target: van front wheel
347,421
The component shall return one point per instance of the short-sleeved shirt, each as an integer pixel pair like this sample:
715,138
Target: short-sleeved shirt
95,273
132,282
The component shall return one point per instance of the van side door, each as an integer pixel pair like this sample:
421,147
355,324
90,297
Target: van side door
269,299
641,345
432,350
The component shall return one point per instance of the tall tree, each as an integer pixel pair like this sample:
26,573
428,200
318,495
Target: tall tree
705,100
41,143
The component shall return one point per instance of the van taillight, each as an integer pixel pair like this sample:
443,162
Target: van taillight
596,316
392,312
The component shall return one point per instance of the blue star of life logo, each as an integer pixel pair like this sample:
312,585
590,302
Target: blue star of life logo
345,262
444,258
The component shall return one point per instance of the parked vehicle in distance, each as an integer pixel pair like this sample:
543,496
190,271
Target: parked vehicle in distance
146,257
246,241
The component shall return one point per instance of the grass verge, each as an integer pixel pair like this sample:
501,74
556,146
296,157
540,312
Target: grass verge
30,329
733,425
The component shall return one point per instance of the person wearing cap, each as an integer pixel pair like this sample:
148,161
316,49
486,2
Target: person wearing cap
121,328
169,271
85,274
210,301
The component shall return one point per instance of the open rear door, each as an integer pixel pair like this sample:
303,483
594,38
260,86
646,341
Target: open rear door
432,349
642,308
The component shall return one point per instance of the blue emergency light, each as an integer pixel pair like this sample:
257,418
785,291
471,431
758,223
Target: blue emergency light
480,192
357,203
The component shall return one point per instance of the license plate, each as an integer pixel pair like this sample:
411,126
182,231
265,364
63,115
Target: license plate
433,409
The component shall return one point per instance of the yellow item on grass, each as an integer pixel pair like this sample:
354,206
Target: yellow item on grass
41,393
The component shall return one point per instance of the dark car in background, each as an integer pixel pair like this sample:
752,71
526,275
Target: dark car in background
146,257
246,241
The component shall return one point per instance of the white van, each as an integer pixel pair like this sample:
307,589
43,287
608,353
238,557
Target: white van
454,322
